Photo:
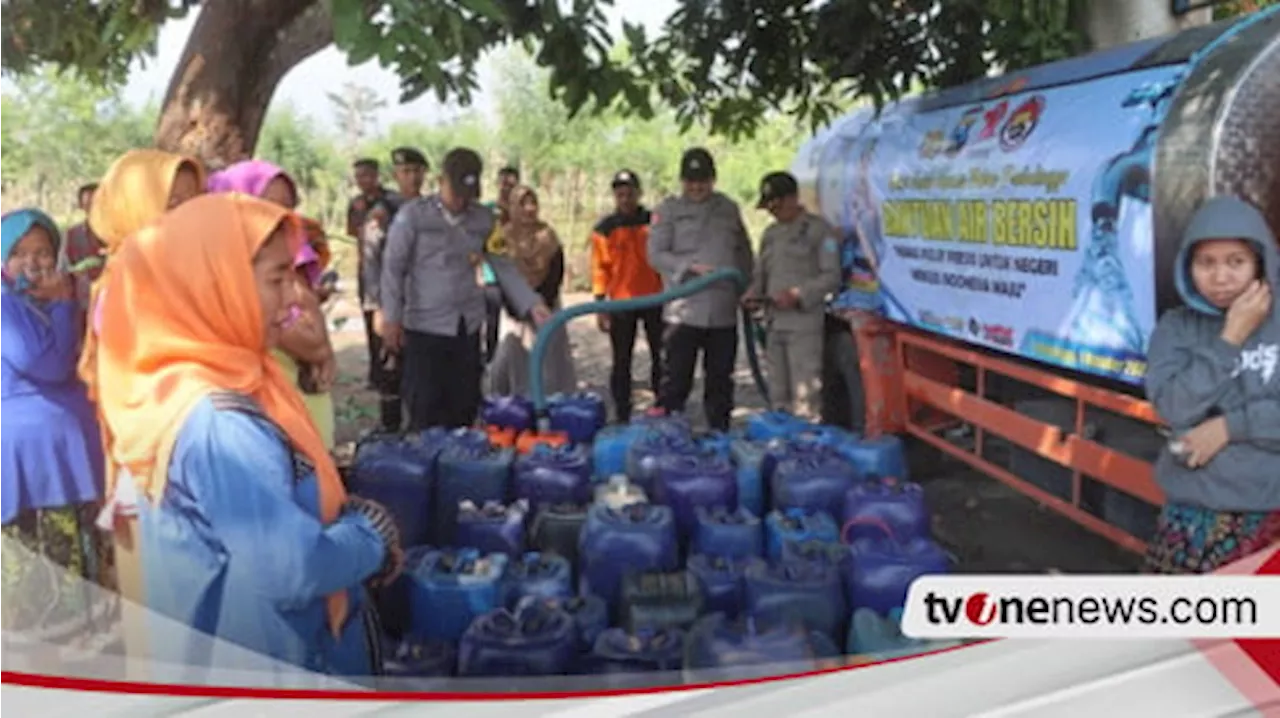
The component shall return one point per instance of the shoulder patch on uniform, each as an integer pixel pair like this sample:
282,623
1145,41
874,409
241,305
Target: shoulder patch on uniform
830,245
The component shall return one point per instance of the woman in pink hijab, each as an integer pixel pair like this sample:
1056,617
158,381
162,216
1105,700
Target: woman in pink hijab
305,351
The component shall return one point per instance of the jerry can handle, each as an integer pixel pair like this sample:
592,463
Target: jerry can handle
867,521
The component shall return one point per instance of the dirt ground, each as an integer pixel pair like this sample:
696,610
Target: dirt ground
990,527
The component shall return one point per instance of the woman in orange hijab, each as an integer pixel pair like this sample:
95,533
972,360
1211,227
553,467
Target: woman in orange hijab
247,532
305,351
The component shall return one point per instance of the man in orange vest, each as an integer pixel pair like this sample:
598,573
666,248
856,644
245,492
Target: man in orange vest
620,270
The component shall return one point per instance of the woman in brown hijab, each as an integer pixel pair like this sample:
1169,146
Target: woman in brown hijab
534,247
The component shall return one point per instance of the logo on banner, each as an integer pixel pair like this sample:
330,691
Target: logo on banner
998,334
983,123
930,319
933,144
1021,123
991,121
960,134
993,333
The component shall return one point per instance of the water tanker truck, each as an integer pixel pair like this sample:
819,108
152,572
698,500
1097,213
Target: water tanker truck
1015,240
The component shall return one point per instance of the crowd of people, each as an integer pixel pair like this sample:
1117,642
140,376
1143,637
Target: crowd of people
167,366
424,319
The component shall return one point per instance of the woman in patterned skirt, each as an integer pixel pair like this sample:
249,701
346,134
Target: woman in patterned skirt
51,455
1214,376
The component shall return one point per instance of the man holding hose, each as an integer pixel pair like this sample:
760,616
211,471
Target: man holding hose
694,234
799,268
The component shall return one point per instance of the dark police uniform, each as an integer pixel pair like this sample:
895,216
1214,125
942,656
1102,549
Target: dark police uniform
386,374
710,232
429,288
400,157
358,210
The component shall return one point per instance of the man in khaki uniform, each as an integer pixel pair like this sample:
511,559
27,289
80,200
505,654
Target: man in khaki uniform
694,234
799,267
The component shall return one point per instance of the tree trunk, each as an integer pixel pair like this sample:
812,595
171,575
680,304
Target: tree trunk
237,54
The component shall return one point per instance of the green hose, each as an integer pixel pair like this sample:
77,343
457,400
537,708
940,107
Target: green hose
536,391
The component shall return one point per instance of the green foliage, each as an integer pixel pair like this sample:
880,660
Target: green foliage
61,131
732,62
97,40
727,65
437,45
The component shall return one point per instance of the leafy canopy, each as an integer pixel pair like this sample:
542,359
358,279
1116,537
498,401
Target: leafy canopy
727,63
98,40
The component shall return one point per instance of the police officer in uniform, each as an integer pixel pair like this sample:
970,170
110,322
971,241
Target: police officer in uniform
694,234
798,268
432,305
366,173
409,169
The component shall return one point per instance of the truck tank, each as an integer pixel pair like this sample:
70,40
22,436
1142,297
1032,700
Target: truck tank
1039,213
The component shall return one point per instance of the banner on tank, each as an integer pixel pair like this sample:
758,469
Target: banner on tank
1022,223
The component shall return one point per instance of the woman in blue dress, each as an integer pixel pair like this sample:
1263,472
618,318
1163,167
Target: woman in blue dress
248,537
52,460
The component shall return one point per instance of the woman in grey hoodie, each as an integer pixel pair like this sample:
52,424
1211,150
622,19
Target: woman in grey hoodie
1214,375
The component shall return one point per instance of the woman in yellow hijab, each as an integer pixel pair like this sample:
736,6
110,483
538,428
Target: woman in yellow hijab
137,190
249,535
535,249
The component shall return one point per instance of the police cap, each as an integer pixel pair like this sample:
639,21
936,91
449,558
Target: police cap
462,167
625,178
408,156
777,185
697,165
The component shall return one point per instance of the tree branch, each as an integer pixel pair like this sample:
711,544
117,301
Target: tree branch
270,17
237,53
308,33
